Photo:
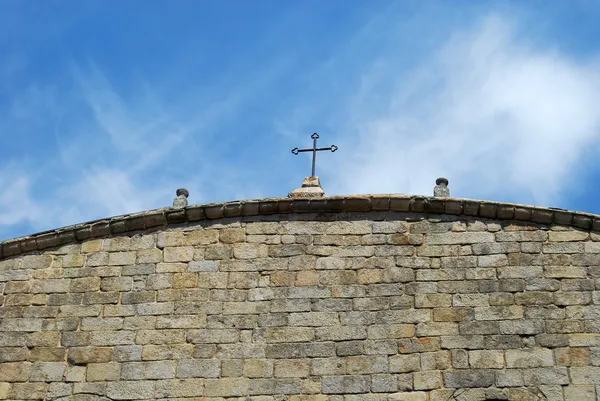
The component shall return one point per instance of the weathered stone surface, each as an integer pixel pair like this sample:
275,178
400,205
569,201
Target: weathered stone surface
347,306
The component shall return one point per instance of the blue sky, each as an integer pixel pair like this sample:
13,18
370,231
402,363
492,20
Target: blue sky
107,107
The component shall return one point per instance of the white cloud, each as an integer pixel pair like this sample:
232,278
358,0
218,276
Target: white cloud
16,203
498,117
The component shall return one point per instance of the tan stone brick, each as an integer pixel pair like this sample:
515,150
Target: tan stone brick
404,363
171,267
226,387
232,367
4,390
117,244
179,388
47,354
303,278
292,368
201,237
50,286
250,251
579,356
149,256
435,360
529,358
116,284
499,312
15,371
85,355
91,246
15,287
72,260
178,254
369,276
28,391
243,280
103,371
19,324
184,280
366,364
433,300
121,258
75,373
258,368
585,375
130,390
86,284
36,261
427,380
580,393
486,359
148,370
289,334
567,236
382,331
232,235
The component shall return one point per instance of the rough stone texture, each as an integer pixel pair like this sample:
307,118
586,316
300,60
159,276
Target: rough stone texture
329,299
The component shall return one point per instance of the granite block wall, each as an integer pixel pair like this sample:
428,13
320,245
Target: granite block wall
326,307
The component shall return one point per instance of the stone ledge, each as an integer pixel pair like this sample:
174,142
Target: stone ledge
333,204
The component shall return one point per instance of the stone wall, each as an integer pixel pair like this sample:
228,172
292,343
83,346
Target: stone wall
342,304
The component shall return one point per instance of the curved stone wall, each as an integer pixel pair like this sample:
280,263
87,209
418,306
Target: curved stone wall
338,299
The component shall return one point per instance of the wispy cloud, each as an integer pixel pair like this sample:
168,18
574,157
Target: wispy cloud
407,95
16,203
499,117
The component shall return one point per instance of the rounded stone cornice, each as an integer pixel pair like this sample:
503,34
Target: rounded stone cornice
154,219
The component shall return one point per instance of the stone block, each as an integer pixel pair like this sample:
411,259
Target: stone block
577,356
469,378
103,371
226,387
288,368
85,355
404,363
427,380
436,329
15,371
183,388
509,312
540,376
439,360
127,353
346,384
529,358
486,359
580,393
408,396
28,391
48,286
120,258
433,300
460,238
130,390
205,368
204,266
585,375
36,261
149,256
47,354
250,251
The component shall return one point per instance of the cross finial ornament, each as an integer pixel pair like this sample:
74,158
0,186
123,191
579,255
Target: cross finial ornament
314,149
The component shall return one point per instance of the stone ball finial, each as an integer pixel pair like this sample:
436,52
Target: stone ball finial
441,181
181,200
441,189
183,191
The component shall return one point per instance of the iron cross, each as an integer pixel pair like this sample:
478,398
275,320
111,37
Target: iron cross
314,149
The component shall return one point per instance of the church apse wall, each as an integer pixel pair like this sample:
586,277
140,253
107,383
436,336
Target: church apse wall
374,298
